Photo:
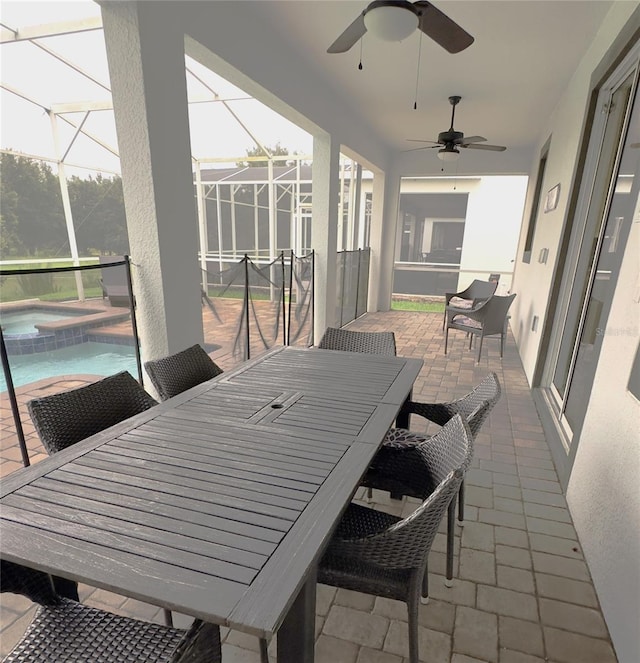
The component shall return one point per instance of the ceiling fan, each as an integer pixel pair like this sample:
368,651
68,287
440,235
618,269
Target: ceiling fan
393,20
452,139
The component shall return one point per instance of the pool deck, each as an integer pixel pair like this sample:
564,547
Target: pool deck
522,593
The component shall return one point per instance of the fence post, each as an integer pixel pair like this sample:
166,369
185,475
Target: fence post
344,272
358,282
14,402
284,304
246,302
313,297
134,323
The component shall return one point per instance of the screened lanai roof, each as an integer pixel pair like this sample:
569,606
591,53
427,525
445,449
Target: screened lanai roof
54,64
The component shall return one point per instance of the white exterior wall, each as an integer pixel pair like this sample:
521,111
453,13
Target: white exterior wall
146,66
494,215
602,492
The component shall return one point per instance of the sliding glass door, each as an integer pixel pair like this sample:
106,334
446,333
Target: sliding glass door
604,213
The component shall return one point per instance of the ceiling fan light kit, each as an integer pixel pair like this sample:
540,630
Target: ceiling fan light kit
393,20
446,154
384,21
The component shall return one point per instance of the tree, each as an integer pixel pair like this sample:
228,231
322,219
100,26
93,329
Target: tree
31,207
32,218
97,206
277,151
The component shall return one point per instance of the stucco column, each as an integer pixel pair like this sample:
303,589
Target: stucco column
145,49
384,220
324,232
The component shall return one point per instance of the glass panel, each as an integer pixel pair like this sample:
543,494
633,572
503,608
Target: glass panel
599,198
612,247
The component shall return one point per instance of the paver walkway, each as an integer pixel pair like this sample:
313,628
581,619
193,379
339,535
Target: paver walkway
523,592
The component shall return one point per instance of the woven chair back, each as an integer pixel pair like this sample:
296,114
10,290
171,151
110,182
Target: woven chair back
379,343
176,373
70,416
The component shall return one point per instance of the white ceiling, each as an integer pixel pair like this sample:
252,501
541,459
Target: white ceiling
510,78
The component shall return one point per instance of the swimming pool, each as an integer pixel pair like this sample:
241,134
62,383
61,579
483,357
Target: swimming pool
92,358
25,321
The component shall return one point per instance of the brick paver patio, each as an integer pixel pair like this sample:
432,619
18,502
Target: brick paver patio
523,592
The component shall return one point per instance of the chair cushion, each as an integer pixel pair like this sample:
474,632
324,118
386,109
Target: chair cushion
467,322
459,302
401,438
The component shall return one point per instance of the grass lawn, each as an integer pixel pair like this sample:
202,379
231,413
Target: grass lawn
427,307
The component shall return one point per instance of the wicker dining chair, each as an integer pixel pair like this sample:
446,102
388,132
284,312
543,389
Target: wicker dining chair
387,470
70,416
379,343
65,631
475,293
487,319
173,374
380,554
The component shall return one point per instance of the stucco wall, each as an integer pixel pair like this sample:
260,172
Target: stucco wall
603,492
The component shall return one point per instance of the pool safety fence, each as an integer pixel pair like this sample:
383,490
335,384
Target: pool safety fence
260,304
65,306
352,284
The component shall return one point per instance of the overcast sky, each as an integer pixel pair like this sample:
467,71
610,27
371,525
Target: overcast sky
27,68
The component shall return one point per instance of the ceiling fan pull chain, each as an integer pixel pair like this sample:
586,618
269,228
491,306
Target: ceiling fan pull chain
415,102
360,63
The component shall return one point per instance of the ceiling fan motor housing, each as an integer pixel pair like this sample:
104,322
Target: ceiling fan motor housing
450,136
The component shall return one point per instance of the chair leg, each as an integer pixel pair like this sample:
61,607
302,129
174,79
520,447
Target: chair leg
446,339
501,344
424,599
168,618
461,505
412,606
479,348
451,522
264,655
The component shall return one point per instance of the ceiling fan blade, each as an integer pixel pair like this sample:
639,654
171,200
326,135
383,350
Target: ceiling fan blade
425,147
479,146
349,37
441,28
474,139
420,140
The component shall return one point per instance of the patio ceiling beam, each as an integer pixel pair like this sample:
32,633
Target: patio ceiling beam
81,107
23,95
49,29
39,157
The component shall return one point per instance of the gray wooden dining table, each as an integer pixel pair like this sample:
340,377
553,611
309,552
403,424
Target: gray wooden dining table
219,502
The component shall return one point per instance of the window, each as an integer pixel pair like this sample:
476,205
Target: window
531,230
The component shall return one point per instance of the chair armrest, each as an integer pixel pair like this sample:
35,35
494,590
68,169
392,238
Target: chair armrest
438,413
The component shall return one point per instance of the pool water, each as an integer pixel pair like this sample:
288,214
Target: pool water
92,358
24,322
